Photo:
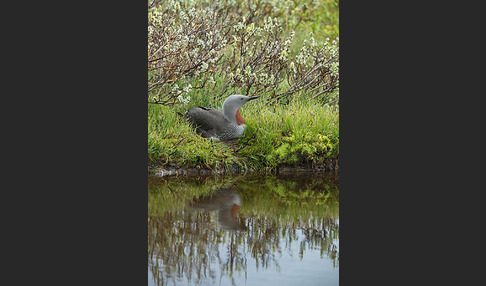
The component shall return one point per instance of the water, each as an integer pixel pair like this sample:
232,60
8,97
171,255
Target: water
244,230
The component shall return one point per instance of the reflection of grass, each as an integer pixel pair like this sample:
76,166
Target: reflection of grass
290,199
168,195
267,196
277,212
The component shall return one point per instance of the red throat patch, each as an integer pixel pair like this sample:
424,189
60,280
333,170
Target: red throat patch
239,118
234,209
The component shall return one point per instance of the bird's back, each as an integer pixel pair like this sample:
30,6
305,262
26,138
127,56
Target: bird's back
209,121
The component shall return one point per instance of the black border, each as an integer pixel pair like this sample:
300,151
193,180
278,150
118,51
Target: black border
77,74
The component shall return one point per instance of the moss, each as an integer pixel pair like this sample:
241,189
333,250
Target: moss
311,148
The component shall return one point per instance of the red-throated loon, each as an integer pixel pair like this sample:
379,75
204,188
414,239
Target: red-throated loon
227,202
220,125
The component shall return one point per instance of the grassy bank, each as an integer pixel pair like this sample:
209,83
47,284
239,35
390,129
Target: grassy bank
301,133
287,52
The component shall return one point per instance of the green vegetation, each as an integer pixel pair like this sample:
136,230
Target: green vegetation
287,52
303,132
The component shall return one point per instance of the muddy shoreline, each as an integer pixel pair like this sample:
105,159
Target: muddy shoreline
168,170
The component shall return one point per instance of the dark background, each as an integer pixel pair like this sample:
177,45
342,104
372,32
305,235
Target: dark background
75,143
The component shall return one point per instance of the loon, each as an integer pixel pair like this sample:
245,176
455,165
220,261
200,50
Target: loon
220,125
226,202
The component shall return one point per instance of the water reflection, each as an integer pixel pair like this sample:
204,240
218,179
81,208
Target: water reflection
226,202
243,230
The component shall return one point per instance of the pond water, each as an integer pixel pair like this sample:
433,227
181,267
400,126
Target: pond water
244,230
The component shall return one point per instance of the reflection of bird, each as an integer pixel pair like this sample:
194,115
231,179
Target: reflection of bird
226,202
220,125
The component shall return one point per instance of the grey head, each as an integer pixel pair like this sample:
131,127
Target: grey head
231,107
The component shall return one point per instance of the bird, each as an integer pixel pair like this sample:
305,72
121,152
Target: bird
220,125
226,202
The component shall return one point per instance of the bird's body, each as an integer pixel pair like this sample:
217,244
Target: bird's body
220,125
226,202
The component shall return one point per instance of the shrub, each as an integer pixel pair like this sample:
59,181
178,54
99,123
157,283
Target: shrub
248,47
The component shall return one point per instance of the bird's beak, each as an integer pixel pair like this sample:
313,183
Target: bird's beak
254,97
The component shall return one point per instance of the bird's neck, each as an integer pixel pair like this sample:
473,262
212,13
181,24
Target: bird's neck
233,115
239,118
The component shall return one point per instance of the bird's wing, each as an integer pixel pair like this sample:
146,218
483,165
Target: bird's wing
207,120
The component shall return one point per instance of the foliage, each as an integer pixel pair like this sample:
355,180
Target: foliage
286,51
273,48
181,44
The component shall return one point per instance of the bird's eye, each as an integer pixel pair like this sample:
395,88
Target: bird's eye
241,98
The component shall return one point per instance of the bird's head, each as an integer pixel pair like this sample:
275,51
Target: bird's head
231,107
237,100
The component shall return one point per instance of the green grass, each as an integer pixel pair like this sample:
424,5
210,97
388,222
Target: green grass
301,132
172,141
289,134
